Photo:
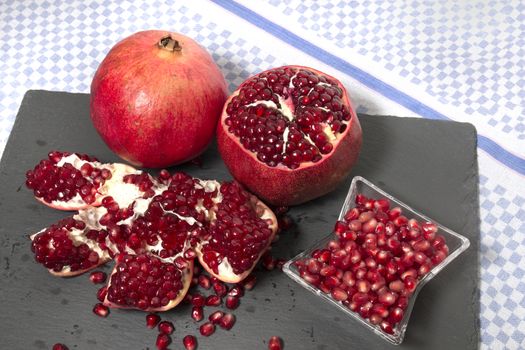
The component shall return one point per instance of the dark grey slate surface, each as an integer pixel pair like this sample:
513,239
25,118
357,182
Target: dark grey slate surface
430,165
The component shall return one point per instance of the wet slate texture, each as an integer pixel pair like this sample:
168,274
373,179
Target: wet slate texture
430,165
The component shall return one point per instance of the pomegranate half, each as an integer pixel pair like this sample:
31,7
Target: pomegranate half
289,134
156,98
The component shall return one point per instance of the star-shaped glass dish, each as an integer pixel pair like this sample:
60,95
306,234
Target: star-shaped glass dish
456,243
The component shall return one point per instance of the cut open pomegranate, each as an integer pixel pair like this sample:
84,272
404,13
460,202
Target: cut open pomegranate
154,232
295,128
73,181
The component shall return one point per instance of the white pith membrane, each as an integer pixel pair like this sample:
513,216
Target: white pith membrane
127,195
290,108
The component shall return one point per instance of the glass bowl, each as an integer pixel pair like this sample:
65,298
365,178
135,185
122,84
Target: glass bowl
457,244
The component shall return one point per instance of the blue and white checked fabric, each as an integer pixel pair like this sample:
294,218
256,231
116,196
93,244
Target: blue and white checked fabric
453,60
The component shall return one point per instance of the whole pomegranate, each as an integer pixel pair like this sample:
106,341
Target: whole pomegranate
156,98
289,134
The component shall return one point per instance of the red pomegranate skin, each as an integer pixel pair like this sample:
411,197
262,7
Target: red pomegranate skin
153,106
283,186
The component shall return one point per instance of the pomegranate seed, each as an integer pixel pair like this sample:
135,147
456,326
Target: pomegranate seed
268,262
429,230
360,199
396,315
328,270
375,319
236,291
340,227
400,221
216,317
410,284
387,298
220,289
97,277
152,320
402,302
397,286
197,313
352,214
102,292
382,204
59,346
204,282
249,282
275,343
339,294
366,216
166,327
101,310
232,302
387,327
348,279
227,321
190,342
163,340
394,213
207,329
198,300
213,300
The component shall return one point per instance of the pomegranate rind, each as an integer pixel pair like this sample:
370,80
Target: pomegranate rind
230,276
187,275
280,185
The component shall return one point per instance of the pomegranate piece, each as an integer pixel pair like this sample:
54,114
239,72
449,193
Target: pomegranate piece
59,346
227,321
98,277
163,340
152,320
207,329
275,343
101,310
55,248
146,282
175,97
375,261
72,181
294,127
243,230
190,342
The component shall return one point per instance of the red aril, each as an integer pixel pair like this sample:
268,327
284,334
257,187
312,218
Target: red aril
295,128
190,342
275,343
156,98
152,320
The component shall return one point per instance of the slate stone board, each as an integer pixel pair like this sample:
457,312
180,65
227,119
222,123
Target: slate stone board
430,165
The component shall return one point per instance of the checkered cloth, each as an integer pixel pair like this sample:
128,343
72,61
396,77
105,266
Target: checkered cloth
459,60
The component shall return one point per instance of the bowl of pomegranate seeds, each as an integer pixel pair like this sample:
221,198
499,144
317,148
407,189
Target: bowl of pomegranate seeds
377,259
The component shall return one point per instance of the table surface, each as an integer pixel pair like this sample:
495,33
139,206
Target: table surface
462,61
